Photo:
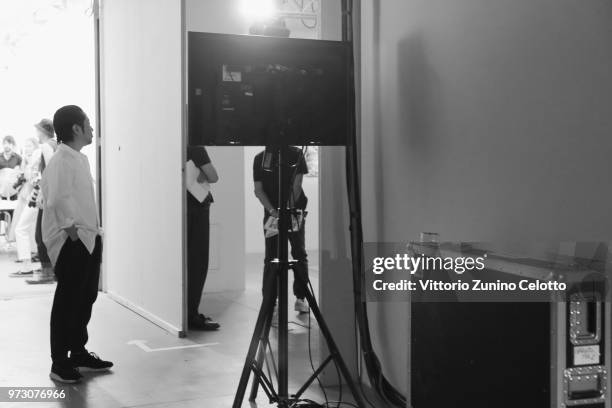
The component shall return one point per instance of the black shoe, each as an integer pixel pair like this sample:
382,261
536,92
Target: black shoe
64,373
86,362
201,322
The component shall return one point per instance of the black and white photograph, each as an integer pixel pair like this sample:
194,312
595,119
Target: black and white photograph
306,203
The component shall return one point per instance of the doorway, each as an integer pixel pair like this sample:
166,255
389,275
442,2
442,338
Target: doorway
47,60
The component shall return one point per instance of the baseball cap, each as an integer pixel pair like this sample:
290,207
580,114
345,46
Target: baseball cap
46,126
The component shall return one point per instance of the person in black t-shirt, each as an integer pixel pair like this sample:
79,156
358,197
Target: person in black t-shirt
9,158
266,190
198,237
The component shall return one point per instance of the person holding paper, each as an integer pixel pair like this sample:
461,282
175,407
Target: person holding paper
198,233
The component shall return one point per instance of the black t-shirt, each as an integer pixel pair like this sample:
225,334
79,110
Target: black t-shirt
13,161
199,156
297,165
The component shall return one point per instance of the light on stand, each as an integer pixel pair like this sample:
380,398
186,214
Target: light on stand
258,10
265,18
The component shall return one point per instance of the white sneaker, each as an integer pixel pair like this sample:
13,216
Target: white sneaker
301,306
274,322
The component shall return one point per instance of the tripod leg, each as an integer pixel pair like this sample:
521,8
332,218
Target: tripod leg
265,311
261,355
283,337
331,344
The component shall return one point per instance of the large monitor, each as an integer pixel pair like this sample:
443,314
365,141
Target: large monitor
251,90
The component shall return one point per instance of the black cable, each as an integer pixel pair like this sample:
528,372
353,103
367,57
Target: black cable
337,369
272,359
306,403
373,367
339,385
335,363
350,404
360,371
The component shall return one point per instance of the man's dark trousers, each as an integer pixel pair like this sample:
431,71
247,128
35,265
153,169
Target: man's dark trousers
198,237
297,240
77,273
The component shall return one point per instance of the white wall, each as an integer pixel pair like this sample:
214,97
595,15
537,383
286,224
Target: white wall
142,146
227,222
484,121
253,212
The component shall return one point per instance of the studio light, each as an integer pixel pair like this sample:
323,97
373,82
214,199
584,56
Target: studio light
258,10
265,18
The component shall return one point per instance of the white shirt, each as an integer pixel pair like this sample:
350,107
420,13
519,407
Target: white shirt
69,199
46,151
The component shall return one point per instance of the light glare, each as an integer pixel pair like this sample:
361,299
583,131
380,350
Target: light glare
258,9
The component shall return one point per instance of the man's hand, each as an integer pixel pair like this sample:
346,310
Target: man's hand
202,177
274,212
72,232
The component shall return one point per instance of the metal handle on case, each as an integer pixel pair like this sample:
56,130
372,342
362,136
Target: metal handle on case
585,319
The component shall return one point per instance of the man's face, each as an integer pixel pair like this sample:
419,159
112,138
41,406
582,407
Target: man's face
41,136
85,134
8,147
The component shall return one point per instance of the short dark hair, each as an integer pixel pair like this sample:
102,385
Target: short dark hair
64,119
10,139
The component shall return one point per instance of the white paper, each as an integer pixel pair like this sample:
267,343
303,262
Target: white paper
198,190
271,227
586,355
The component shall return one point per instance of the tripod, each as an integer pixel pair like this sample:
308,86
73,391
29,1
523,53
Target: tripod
257,348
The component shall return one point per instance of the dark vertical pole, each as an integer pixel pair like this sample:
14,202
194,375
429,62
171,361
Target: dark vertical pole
98,113
283,256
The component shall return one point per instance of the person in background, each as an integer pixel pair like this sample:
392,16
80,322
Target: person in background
25,215
198,238
45,132
9,158
9,161
266,191
71,232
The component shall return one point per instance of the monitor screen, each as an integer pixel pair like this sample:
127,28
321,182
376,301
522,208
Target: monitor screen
252,90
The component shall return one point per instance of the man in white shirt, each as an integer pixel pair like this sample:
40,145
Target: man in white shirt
71,232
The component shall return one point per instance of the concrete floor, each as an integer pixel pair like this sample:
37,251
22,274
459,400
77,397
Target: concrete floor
143,376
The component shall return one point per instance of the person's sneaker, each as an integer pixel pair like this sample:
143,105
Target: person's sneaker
210,321
64,373
201,322
274,322
21,274
87,362
301,306
41,277
39,281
